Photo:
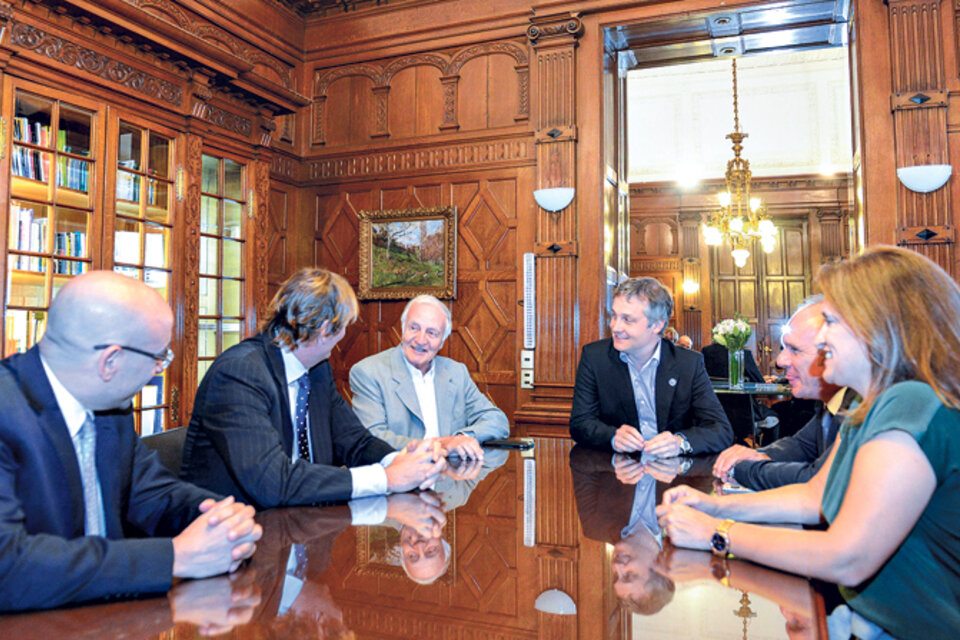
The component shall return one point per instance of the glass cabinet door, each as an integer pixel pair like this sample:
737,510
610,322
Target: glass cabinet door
223,214
52,212
141,233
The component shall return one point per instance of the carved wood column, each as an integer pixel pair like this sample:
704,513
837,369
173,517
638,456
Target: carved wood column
554,39
192,177
919,105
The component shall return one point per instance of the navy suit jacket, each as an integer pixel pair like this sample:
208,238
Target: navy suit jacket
241,435
45,559
603,398
796,458
716,358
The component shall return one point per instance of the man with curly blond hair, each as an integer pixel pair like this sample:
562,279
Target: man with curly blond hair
269,423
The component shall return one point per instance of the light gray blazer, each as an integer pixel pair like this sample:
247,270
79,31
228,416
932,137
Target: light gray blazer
386,402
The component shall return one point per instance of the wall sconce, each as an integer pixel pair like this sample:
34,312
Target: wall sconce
924,178
556,602
555,199
690,287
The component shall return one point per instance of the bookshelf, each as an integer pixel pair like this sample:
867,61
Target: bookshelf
50,230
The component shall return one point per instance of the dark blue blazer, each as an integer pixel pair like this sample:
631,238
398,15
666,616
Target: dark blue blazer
796,458
603,398
45,559
241,434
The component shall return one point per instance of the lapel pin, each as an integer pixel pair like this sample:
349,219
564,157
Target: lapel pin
672,382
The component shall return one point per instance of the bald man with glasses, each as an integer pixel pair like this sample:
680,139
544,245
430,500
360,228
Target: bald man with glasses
86,510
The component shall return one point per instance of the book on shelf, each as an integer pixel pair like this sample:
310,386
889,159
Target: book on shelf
31,236
72,173
31,132
28,163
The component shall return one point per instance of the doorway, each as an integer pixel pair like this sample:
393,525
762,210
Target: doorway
800,150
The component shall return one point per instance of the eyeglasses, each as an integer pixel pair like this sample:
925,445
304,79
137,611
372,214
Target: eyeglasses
163,359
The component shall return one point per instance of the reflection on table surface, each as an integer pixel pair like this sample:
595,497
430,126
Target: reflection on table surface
468,560
752,388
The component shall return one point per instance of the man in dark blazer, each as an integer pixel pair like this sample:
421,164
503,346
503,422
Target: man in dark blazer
243,437
798,457
716,358
86,510
636,392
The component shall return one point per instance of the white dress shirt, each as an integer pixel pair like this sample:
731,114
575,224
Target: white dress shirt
368,480
423,384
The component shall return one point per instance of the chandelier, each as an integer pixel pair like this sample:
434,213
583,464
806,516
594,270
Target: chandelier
741,218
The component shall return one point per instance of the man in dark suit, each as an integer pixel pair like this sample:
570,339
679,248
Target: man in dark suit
716,358
798,457
636,392
86,510
268,422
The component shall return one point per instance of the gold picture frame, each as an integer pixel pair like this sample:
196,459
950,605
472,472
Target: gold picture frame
408,252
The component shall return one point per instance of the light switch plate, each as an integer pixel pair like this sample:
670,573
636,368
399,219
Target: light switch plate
526,378
526,359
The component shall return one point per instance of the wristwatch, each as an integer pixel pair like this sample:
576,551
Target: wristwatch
684,443
720,541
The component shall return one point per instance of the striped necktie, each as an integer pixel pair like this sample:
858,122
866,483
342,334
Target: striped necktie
86,443
303,392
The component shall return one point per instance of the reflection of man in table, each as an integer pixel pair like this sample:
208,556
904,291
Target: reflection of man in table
409,392
798,457
636,392
292,557
622,514
424,554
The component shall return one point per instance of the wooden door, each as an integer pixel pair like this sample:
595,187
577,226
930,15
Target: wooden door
767,289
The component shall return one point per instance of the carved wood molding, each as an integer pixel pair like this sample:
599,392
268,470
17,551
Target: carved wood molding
213,35
641,264
262,189
230,121
285,167
191,263
450,78
73,55
434,157
557,26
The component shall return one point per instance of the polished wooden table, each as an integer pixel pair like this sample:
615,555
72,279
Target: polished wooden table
538,522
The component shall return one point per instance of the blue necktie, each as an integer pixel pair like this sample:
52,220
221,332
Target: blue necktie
87,453
303,392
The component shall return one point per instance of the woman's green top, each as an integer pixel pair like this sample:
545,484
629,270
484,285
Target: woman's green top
916,593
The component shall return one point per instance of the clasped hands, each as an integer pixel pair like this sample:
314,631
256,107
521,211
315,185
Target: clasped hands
419,463
222,537
663,445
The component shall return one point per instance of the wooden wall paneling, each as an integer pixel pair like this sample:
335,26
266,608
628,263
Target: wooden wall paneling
350,111
484,312
919,103
281,249
415,102
554,40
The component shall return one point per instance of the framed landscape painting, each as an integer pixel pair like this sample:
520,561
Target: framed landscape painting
408,252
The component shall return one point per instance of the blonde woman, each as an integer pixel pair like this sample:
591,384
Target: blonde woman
890,492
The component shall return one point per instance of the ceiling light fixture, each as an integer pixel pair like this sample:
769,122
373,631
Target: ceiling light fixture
740,218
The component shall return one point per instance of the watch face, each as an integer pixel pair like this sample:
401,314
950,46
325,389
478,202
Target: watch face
718,543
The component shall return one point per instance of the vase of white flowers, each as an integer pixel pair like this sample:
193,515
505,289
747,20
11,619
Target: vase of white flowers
733,333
